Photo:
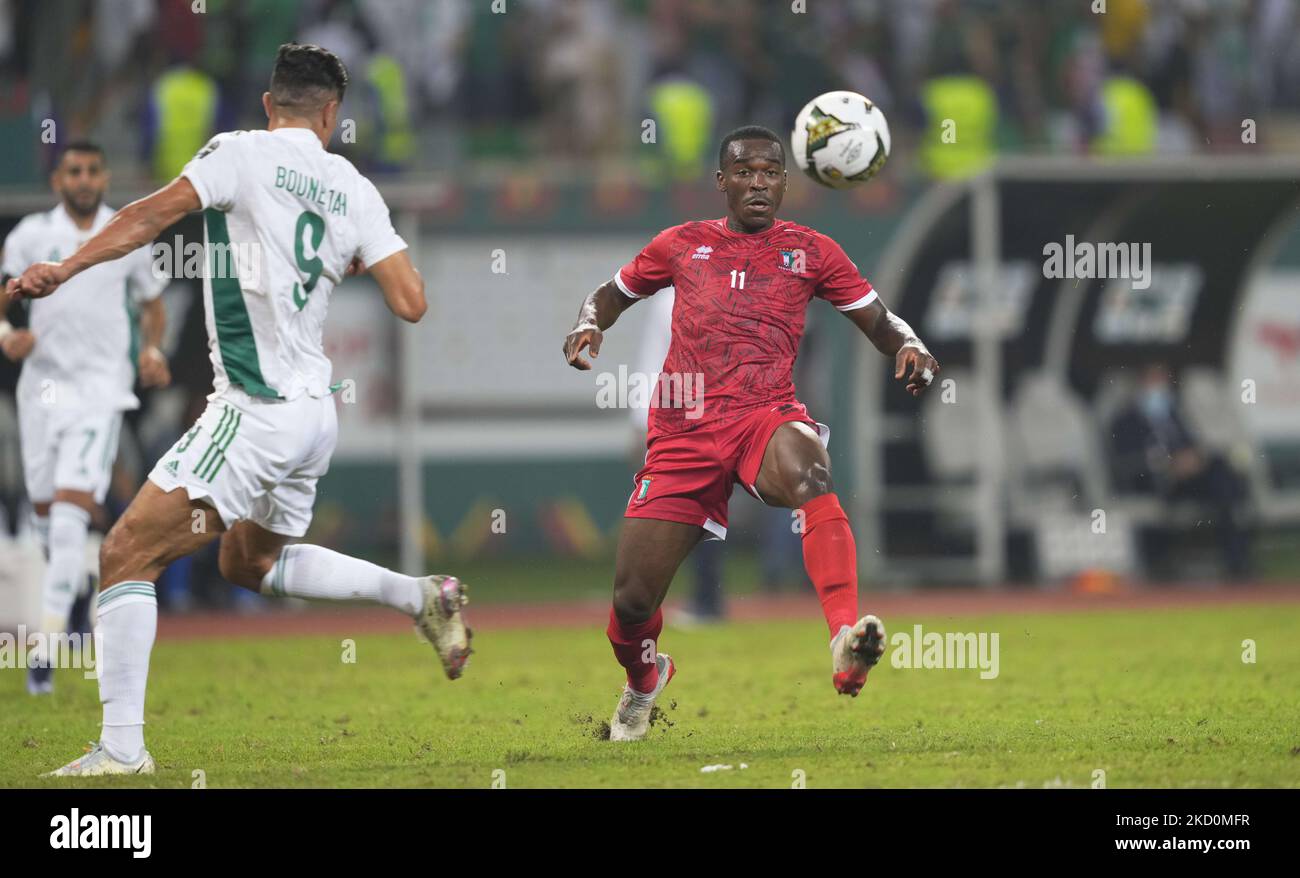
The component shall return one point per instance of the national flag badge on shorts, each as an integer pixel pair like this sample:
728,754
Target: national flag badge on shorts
645,489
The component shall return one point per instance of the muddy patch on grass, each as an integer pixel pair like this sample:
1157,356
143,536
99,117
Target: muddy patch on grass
659,715
591,727
600,729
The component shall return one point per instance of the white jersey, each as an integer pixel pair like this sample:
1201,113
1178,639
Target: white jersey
283,220
87,335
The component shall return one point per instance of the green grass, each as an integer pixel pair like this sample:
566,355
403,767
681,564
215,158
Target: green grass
1152,698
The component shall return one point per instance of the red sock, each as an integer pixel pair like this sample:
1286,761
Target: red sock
630,648
831,558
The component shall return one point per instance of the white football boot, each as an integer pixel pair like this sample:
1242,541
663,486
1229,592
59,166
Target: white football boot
631,718
854,652
97,763
442,623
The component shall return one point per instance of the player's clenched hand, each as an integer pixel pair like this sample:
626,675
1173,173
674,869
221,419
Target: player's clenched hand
154,371
355,267
18,344
582,337
920,369
40,279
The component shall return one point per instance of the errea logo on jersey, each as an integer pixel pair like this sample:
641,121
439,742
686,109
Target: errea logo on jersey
704,251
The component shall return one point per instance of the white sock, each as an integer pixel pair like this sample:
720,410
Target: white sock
65,574
314,572
128,620
41,526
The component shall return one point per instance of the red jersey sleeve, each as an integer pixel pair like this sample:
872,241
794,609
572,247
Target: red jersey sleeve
839,282
651,270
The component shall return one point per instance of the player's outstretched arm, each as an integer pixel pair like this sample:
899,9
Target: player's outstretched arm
402,286
131,228
894,338
598,313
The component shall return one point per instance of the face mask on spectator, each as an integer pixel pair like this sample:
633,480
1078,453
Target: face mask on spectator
1157,402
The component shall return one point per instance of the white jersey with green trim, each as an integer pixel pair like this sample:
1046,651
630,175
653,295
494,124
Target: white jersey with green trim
87,334
283,219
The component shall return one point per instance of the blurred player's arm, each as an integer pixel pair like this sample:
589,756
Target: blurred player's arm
401,284
131,228
145,285
598,313
154,371
6,328
16,342
894,338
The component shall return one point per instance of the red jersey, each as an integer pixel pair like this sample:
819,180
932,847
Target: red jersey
739,314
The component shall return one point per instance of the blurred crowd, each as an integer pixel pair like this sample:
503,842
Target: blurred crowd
436,82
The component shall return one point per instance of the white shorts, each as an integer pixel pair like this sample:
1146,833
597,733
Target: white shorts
254,459
67,449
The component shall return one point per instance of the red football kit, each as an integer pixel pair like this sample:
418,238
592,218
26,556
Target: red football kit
727,381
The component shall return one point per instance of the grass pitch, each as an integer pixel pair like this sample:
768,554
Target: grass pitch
1152,698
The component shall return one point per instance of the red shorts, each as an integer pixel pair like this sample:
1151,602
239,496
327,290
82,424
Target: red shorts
688,477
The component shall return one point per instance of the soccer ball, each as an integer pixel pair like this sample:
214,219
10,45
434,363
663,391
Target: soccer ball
840,139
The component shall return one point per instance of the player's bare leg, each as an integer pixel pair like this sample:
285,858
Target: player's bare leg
156,529
160,527
262,561
796,473
64,526
649,553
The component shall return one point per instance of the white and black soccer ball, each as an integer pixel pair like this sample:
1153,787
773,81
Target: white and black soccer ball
840,139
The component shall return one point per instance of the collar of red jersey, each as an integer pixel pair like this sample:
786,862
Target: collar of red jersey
776,225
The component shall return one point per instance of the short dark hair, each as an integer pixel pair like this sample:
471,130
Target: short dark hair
748,132
79,146
305,77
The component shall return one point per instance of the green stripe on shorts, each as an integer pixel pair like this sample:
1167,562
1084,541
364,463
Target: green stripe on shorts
223,445
212,445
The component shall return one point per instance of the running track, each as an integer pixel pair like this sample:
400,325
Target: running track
928,603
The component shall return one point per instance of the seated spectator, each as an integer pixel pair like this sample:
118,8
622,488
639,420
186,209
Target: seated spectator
1154,452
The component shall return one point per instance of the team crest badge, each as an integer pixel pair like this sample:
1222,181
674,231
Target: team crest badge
645,489
792,261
